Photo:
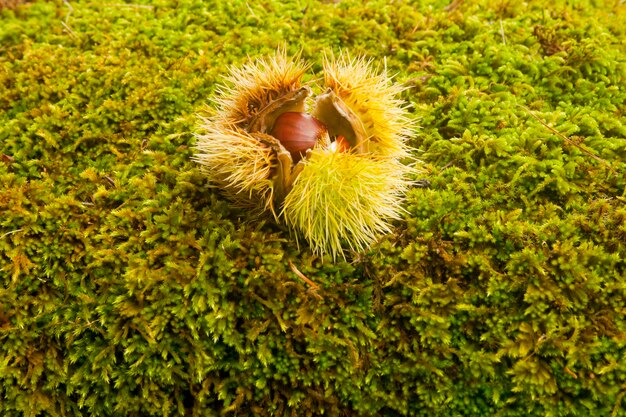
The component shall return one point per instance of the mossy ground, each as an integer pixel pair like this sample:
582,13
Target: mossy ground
130,288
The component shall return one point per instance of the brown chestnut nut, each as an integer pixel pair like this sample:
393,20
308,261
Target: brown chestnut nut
297,132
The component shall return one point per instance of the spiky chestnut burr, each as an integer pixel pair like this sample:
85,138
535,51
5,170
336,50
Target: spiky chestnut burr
369,100
238,163
330,171
344,199
233,144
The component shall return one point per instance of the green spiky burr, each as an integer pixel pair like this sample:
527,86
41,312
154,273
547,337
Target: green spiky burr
327,166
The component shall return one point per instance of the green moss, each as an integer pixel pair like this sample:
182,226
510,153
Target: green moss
131,288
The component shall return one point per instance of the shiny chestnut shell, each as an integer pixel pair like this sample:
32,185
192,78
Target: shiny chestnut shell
297,132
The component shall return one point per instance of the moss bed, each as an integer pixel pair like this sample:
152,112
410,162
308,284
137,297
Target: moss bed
132,288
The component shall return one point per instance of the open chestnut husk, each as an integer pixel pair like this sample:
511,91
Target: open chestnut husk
327,163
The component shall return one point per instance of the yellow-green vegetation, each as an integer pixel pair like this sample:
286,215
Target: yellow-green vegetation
132,287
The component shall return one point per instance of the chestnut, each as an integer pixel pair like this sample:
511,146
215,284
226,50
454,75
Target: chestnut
297,132
340,144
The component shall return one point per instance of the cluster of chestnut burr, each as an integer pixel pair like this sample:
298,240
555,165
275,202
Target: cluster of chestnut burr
328,165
